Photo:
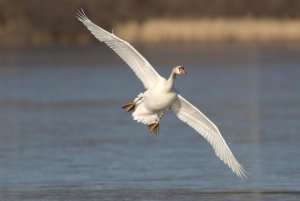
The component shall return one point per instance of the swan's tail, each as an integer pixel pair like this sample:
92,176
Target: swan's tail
142,115
140,112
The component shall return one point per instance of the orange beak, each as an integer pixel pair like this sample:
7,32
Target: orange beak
182,71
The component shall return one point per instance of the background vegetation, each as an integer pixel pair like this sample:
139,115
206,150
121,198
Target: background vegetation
27,23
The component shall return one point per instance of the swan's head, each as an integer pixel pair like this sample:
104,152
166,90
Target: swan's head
179,70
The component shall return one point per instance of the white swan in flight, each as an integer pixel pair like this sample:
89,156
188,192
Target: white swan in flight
160,95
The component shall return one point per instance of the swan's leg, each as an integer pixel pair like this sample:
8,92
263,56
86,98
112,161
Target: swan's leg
131,106
162,114
154,128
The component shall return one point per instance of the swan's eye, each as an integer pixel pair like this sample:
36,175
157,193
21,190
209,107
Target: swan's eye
181,70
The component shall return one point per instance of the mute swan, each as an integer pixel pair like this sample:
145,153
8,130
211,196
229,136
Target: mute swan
150,106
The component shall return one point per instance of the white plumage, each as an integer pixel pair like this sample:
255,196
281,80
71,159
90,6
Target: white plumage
160,95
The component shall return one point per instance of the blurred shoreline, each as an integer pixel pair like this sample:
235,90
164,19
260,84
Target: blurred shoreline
238,30
39,24
167,31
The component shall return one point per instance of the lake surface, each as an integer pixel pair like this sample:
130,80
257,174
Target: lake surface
63,135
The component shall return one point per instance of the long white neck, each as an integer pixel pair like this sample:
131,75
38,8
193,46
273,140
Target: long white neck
171,80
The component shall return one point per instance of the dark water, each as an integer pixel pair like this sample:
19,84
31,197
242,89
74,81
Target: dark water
63,135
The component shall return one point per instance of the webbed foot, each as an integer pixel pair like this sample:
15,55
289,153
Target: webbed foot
128,107
154,128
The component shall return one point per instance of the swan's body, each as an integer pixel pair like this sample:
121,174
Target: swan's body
160,95
153,101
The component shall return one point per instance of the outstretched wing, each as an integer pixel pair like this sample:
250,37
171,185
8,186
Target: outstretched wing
189,114
141,67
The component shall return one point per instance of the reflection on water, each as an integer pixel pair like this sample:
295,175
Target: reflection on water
64,136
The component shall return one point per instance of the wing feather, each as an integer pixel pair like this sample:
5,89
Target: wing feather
189,114
141,67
